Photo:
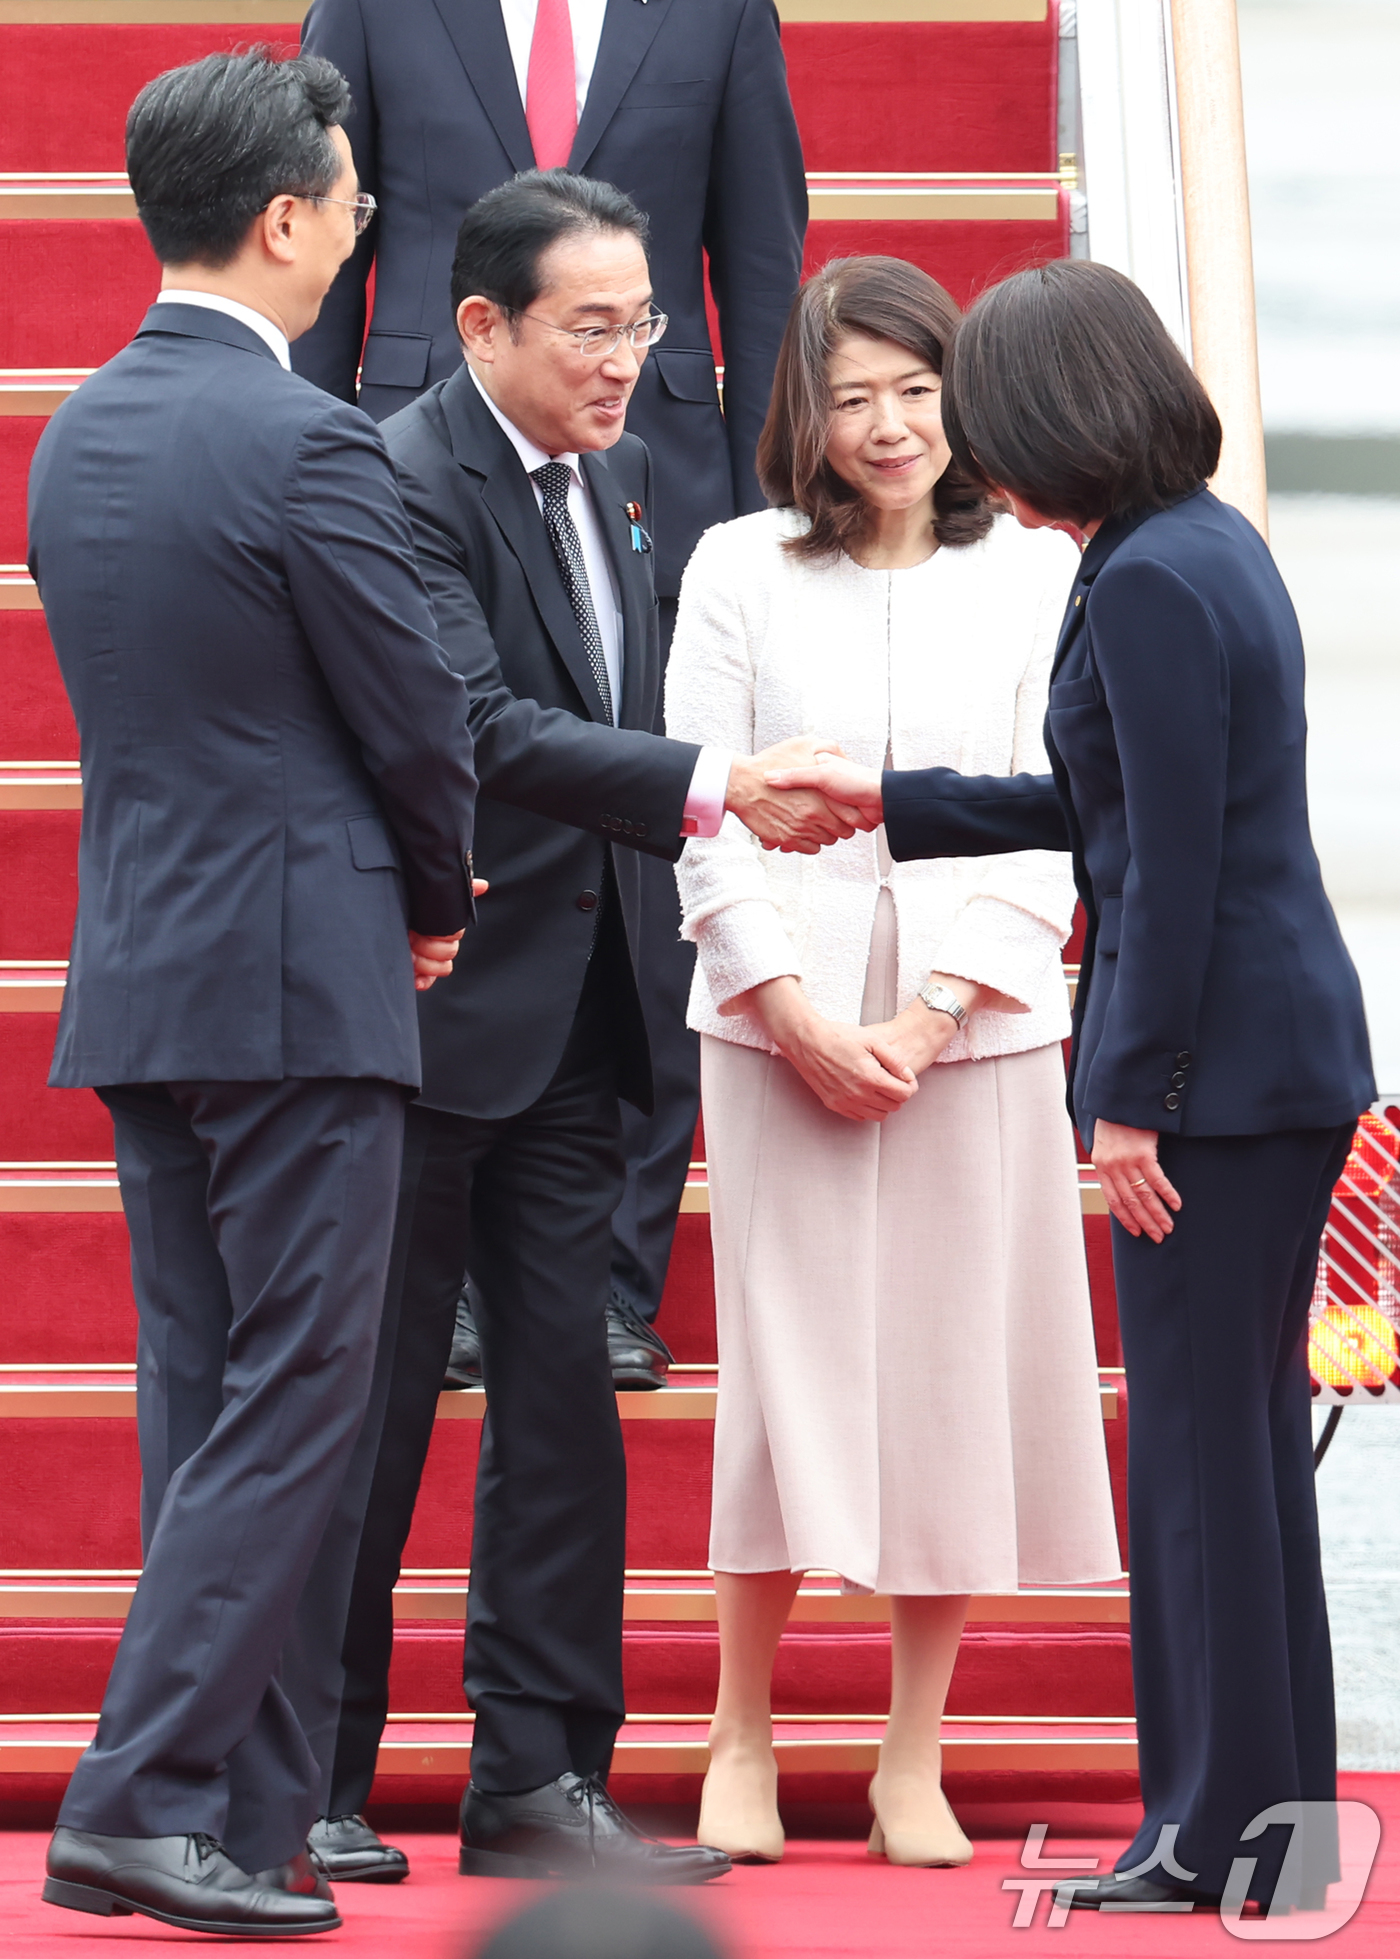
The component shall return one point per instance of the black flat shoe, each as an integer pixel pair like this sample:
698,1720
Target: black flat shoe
572,1828
189,1881
1113,1893
348,1850
637,1354
464,1362
303,1877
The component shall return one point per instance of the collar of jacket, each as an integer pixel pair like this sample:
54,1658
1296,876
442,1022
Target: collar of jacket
203,323
480,445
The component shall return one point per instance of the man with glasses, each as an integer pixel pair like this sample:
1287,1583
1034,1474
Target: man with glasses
277,809
683,104
531,513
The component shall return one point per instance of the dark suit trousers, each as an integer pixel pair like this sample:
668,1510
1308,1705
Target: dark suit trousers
659,1147
526,1203
261,1215
1232,1664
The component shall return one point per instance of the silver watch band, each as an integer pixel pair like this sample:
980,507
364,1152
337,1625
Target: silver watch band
943,1000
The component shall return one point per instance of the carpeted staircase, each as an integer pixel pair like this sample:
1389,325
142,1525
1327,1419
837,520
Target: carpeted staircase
930,131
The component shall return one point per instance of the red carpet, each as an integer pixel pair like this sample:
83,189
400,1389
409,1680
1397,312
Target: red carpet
825,1898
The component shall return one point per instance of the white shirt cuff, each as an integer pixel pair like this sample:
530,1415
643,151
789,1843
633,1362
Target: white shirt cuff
704,805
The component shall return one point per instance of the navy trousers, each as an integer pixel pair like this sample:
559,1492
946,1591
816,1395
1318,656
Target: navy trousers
261,1215
1232,1664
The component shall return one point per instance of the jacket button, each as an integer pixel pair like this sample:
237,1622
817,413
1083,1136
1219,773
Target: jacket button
1179,1079
1183,1061
1171,1101
639,829
627,826
587,901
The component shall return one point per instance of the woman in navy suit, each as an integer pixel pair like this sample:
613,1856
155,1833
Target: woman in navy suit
1220,1056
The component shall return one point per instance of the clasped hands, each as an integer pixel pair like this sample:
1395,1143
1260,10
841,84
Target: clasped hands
791,796
433,957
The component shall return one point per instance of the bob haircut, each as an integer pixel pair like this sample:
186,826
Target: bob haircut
1064,387
884,299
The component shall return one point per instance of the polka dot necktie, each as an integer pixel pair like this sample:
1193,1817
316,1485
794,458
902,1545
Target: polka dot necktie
553,479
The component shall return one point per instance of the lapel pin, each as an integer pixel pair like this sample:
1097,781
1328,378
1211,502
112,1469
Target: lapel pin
640,540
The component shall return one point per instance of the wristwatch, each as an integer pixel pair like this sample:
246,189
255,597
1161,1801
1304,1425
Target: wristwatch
943,1000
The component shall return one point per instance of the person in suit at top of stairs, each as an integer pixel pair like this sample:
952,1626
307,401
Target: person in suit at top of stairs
277,819
686,109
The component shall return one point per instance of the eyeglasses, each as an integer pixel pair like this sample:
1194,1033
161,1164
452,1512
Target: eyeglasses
595,343
364,206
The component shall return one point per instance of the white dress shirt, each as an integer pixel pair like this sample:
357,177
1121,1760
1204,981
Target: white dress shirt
236,310
586,18
704,804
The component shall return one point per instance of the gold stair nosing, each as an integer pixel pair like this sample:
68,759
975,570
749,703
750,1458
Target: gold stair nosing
1058,1747
23,1399
34,1596
933,197
290,13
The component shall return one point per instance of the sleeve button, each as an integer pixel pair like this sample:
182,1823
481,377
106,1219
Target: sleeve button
1171,1102
1178,1079
1183,1061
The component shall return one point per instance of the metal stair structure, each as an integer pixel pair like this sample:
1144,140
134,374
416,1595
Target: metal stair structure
931,130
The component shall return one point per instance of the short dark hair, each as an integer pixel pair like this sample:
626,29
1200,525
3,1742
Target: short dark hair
505,234
211,144
1064,386
888,299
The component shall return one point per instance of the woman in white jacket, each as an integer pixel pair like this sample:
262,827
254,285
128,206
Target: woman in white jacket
908,1391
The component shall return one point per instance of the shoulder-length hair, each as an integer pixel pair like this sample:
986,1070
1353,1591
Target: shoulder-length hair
1063,386
886,299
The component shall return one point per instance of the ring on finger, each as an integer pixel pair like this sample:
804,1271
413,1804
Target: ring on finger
1137,1183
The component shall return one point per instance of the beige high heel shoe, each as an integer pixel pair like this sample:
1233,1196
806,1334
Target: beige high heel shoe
739,1810
936,1840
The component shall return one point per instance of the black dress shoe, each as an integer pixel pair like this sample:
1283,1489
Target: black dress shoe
191,1882
464,1362
348,1850
1132,1894
303,1877
637,1354
572,1828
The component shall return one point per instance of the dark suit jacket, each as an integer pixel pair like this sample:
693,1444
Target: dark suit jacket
1216,995
558,785
688,112
277,772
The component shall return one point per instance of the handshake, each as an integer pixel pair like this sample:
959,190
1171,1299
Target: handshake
802,794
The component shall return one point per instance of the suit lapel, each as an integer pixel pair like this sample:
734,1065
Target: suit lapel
479,445
1097,552
478,33
616,527
629,28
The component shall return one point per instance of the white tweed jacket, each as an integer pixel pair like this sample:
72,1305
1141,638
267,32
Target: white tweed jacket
946,664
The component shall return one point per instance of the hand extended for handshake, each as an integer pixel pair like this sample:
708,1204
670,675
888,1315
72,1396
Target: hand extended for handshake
790,795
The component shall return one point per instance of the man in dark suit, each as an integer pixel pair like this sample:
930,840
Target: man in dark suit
530,510
684,107
278,796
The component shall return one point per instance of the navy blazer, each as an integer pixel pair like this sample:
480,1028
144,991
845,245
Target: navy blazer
559,786
688,112
1216,997
277,775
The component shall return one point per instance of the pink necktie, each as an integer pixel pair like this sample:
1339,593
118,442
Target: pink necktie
550,99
